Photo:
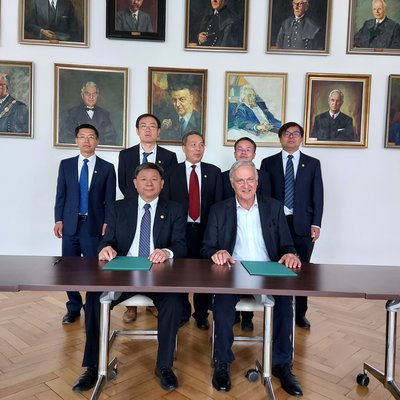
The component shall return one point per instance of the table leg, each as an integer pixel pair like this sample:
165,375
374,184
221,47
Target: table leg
386,378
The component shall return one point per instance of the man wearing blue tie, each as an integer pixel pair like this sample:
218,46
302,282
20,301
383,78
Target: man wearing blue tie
85,192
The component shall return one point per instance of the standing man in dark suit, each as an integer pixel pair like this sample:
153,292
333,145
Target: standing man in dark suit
132,19
253,228
148,130
245,150
85,193
304,214
197,199
52,20
127,232
334,124
88,112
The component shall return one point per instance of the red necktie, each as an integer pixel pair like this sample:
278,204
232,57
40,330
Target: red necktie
194,195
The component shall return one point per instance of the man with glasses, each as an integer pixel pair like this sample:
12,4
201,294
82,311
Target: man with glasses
296,181
245,150
299,32
85,193
253,115
88,112
148,129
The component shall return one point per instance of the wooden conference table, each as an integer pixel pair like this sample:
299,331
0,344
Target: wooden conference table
45,273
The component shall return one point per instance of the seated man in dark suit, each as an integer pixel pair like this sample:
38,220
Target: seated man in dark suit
334,124
380,32
145,225
254,116
253,228
132,19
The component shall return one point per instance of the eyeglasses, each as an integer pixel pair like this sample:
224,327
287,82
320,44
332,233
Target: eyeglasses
89,137
151,127
244,150
293,134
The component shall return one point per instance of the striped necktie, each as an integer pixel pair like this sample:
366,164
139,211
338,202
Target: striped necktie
289,183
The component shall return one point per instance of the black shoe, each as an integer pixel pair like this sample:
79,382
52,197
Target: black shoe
168,380
303,322
289,382
70,318
86,381
247,326
202,323
221,379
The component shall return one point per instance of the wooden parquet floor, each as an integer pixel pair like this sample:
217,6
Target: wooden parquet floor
40,358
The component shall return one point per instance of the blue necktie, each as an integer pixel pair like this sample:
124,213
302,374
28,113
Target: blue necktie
145,227
145,155
289,183
84,188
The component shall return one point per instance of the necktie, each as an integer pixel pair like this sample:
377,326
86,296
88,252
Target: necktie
53,5
145,155
194,195
181,126
145,227
84,188
135,23
289,183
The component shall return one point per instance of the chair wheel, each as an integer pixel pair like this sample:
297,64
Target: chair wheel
113,373
362,379
252,375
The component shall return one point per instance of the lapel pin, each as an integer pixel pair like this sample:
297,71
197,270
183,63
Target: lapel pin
162,217
205,176
95,171
159,161
302,165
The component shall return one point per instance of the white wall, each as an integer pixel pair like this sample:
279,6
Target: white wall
362,187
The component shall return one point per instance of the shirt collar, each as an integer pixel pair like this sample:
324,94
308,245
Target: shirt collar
153,204
296,154
255,204
188,164
91,158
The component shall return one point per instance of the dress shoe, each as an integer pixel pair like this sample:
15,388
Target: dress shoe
153,310
289,382
130,315
168,380
221,379
303,322
86,381
70,318
247,326
202,323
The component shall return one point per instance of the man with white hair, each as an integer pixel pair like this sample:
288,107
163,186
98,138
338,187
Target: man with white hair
334,124
379,32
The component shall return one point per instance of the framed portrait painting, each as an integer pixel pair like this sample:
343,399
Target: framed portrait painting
373,27
177,97
298,27
54,22
336,111
254,106
392,136
16,107
127,19
216,25
90,95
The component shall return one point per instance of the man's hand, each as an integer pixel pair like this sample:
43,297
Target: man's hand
315,231
166,123
202,37
58,229
48,34
222,257
107,254
290,260
158,256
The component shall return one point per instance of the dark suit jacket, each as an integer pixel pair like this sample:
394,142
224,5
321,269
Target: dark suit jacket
101,195
66,24
263,188
16,119
129,159
175,132
124,22
222,228
101,120
340,128
176,187
385,36
308,190
168,229
245,118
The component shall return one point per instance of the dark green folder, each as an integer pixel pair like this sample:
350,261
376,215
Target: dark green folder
128,264
267,268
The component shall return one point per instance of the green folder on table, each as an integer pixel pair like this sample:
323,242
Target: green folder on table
121,263
267,268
